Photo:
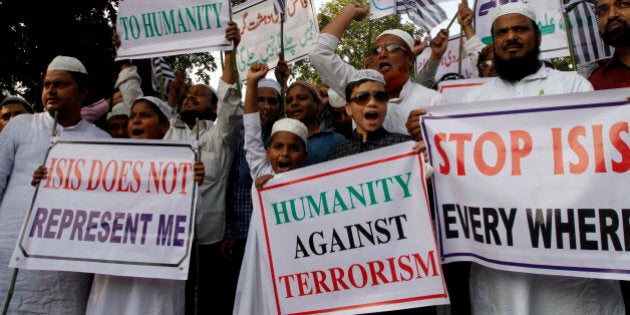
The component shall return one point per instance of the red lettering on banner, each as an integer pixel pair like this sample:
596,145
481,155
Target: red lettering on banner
621,146
64,173
114,176
586,146
373,273
168,177
520,146
438,139
499,146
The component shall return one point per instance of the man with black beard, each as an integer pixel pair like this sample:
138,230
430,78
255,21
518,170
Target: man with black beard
520,74
613,17
520,71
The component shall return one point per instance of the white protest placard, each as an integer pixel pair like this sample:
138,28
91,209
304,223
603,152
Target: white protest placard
455,90
381,8
351,235
153,28
449,63
260,32
537,185
548,17
121,208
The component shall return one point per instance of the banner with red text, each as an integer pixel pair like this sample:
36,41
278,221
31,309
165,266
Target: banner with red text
352,235
259,24
537,185
121,208
154,28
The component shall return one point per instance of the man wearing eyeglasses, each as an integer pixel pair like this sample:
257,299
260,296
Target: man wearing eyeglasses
392,56
613,17
521,73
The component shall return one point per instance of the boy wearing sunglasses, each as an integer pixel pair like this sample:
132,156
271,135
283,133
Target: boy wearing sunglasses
366,103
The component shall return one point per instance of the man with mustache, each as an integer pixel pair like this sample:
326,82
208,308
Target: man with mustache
392,56
23,145
613,17
520,73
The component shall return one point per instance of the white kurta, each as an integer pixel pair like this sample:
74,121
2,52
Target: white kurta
502,292
254,293
336,73
23,145
129,295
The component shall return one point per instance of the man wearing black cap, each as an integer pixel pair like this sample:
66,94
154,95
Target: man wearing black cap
12,106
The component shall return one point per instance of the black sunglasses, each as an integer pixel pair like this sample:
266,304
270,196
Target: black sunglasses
389,48
363,97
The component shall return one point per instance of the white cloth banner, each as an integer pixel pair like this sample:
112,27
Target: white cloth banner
153,28
449,62
260,33
121,208
352,235
549,19
537,185
455,90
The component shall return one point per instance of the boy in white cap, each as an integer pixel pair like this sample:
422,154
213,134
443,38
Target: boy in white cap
287,151
117,120
287,147
392,56
520,74
12,106
23,145
366,102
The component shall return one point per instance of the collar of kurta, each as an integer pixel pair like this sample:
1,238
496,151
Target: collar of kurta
203,124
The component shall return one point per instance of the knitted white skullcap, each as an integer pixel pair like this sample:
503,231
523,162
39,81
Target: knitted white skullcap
291,125
335,99
17,99
514,8
118,110
67,64
269,83
401,34
161,105
366,74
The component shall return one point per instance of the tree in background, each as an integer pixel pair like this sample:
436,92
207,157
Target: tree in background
356,42
34,32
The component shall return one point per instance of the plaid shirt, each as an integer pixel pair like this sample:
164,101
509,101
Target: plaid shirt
239,201
375,140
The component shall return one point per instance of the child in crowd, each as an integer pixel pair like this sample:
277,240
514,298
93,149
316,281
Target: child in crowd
149,119
287,148
366,103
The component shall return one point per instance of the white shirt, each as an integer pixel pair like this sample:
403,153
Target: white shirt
23,145
502,292
336,73
217,152
544,82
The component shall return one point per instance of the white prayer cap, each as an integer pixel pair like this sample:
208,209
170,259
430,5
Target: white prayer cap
291,125
335,99
366,74
118,110
67,64
17,99
514,8
269,83
401,34
161,105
